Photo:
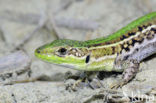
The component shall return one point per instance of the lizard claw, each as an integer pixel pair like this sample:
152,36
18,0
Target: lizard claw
74,85
118,85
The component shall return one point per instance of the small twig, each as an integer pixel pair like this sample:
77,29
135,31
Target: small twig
14,61
51,23
60,22
107,95
2,36
64,5
116,96
41,23
48,20
76,24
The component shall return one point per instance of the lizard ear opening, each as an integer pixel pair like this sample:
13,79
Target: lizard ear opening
87,59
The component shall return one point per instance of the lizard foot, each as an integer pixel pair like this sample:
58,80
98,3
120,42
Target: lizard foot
95,83
73,85
80,81
117,85
132,66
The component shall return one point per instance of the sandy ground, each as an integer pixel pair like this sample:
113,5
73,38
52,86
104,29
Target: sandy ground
74,19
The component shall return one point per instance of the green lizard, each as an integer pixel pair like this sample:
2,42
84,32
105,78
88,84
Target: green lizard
122,51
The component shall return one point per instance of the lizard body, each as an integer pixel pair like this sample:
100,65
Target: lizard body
122,51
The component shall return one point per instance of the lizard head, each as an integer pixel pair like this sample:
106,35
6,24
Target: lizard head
68,53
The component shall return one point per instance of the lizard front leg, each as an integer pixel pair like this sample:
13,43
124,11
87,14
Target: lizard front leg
131,68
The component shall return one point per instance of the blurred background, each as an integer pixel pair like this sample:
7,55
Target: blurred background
27,24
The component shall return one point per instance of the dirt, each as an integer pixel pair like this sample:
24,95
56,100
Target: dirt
20,18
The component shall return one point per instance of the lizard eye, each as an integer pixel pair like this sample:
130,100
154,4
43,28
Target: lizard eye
62,51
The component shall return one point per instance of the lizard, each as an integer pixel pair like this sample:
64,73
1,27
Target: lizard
122,51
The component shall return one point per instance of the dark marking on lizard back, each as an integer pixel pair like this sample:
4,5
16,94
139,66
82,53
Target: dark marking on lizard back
140,28
150,34
153,29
